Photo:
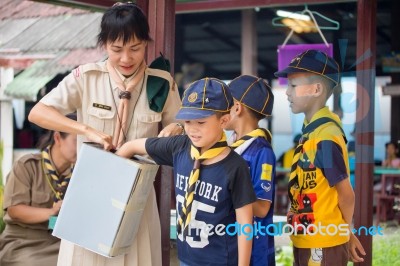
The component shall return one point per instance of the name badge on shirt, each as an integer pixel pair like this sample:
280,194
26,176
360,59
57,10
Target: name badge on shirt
102,106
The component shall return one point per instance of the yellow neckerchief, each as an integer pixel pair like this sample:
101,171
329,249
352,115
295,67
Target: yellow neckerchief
61,182
214,151
259,132
323,116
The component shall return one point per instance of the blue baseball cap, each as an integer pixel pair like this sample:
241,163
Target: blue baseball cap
203,98
254,93
312,61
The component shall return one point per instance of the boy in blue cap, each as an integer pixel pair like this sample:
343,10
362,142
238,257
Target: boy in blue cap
322,199
252,101
213,190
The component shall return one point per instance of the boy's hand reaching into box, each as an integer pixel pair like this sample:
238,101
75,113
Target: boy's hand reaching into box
133,147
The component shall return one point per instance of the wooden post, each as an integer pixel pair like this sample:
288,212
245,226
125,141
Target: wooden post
366,49
161,17
249,43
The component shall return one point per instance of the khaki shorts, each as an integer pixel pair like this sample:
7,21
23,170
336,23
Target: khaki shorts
332,256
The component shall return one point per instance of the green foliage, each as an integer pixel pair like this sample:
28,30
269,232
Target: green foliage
2,225
385,249
284,256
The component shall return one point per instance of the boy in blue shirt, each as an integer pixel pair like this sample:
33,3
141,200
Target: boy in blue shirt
212,183
253,101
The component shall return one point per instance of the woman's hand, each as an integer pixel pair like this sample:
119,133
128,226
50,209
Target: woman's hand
99,137
172,129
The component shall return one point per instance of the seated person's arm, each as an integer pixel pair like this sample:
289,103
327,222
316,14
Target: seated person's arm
261,208
244,215
32,215
133,147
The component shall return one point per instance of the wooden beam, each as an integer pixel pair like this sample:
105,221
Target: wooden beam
224,5
15,63
366,53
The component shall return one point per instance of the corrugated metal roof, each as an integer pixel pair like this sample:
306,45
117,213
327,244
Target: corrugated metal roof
16,9
28,83
37,28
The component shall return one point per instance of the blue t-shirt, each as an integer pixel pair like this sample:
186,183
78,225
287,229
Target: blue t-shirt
261,160
222,187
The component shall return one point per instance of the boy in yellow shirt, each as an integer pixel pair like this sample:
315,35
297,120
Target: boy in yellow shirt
322,199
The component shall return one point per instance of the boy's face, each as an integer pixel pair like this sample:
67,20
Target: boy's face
205,132
126,58
301,91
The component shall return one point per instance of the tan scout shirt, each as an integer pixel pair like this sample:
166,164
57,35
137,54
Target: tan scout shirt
91,92
28,244
27,184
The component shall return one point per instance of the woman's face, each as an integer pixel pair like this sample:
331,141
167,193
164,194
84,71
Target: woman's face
126,58
68,148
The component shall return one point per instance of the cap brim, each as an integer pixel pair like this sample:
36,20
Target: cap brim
289,70
192,113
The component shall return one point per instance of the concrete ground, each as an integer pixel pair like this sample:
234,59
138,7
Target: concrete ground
279,241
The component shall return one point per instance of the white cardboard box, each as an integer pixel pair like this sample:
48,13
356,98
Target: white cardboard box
104,203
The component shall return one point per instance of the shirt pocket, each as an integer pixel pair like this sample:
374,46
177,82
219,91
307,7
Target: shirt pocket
147,124
41,199
101,120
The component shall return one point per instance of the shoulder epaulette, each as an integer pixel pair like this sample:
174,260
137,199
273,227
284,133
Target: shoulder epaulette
30,156
94,67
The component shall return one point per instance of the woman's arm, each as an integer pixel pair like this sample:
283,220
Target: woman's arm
244,217
32,215
50,118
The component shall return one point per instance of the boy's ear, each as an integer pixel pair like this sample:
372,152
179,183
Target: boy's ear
238,107
318,89
57,137
225,119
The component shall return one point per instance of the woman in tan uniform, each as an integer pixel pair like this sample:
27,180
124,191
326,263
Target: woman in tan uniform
34,191
114,103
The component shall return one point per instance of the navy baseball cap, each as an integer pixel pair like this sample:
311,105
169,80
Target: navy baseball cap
254,93
203,98
312,61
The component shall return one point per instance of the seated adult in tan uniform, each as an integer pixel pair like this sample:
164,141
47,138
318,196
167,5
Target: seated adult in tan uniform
116,101
34,191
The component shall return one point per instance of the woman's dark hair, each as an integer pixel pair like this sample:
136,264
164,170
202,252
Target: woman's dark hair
123,21
48,138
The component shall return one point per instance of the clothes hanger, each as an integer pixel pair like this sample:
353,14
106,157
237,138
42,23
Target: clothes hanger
335,24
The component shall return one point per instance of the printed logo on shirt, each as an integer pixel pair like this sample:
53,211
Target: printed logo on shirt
266,187
266,172
102,106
